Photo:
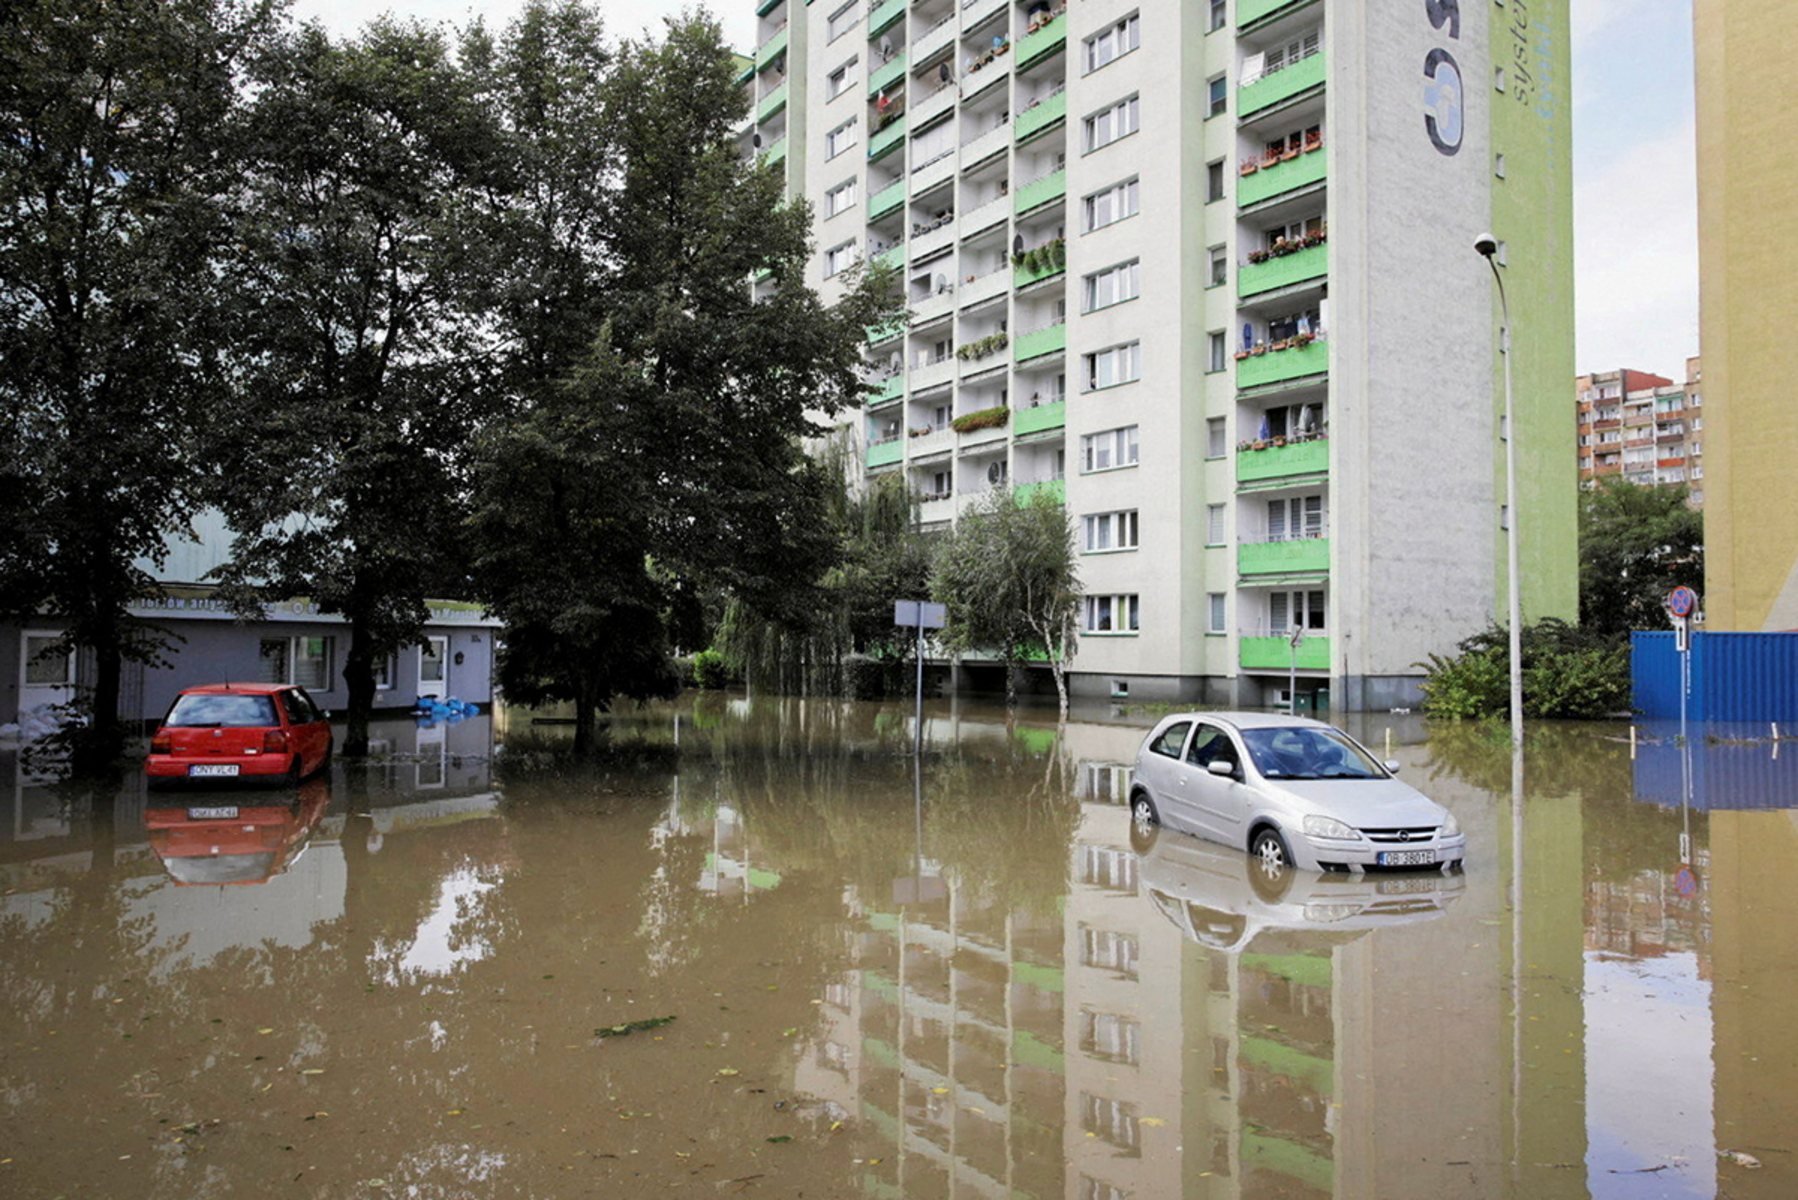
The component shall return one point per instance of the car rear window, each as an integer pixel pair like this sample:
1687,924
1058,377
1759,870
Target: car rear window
1171,739
206,711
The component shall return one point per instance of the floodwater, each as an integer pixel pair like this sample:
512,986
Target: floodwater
763,957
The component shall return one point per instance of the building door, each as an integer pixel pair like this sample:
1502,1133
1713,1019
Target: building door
46,675
433,668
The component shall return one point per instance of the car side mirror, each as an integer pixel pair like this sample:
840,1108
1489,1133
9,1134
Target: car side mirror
1391,764
1218,766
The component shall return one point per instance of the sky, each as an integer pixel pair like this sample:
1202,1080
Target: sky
1635,203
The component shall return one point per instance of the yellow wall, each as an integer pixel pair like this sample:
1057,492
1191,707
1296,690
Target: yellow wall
1748,291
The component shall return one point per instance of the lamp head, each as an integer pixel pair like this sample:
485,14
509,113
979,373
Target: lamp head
1486,244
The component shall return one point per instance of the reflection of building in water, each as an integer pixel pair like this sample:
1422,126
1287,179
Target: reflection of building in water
728,871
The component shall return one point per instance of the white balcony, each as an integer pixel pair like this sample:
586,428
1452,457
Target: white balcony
935,442
992,213
926,374
984,145
929,174
923,245
932,511
932,100
934,39
984,287
934,305
973,12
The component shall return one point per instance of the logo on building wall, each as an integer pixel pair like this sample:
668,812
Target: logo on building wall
1442,88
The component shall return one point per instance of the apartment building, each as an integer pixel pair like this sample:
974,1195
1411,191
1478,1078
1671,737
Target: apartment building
1748,297
1642,427
1205,273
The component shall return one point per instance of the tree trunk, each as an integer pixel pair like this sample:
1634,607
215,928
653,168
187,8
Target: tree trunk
1011,682
359,684
586,717
99,745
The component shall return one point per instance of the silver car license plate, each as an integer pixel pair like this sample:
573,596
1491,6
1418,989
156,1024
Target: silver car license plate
197,770
1407,858
225,812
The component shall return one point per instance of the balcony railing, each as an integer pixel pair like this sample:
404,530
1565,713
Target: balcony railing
1056,487
1050,339
1040,262
886,200
881,17
1041,115
1036,418
885,452
889,71
889,138
1280,85
773,48
1283,461
1265,180
1308,555
1278,366
1045,39
1275,653
1038,192
1284,270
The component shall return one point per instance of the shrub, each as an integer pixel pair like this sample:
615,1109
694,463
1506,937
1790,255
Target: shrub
709,670
1567,673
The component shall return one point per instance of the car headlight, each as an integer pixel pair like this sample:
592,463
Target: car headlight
1450,828
1322,913
1317,825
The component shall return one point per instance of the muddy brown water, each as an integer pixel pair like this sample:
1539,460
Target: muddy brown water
760,955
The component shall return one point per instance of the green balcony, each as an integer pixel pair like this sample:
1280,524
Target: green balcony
1039,192
1043,416
1269,181
1031,272
1278,366
893,257
888,72
1281,462
886,200
770,50
1044,115
887,391
1313,262
885,454
1039,342
1269,90
1045,41
884,17
1275,654
772,103
1057,488
887,139
775,154
1250,12
886,329
766,7
1308,555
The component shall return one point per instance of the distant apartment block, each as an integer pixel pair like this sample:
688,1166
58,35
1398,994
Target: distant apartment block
1205,274
1644,428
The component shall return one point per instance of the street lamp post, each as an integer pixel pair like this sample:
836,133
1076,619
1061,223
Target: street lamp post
1487,246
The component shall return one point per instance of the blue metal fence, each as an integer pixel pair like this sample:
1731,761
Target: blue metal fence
1735,676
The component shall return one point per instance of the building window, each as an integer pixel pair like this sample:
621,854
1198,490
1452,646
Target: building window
1220,267
842,20
1215,343
839,258
1109,450
1107,126
1214,181
1216,442
1112,42
1110,531
1113,285
1108,1036
839,198
1287,611
1108,368
1217,613
1214,525
1111,205
840,138
45,665
1217,95
302,660
1217,15
1111,614
837,82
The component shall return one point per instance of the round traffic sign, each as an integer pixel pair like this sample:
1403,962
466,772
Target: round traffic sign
1681,601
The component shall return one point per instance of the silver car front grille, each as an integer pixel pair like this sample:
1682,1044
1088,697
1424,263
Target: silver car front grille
1399,835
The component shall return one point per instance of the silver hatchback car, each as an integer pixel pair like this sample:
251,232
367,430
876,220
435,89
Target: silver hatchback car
1293,792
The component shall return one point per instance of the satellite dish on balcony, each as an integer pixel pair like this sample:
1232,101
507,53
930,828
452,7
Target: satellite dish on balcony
894,362
886,48
1017,244
942,73
940,282
995,472
755,140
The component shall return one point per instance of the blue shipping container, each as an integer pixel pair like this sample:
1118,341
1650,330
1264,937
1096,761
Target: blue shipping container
1735,677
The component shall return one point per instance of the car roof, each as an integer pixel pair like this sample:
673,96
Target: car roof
237,689
1248,720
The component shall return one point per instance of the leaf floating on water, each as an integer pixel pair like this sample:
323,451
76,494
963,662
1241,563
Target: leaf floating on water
1157,1122
1740,1158
630,1027
728,1071
778,1140
313,1071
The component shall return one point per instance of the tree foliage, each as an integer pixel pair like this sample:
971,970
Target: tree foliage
114,172
1008,577
1636,544
1568,672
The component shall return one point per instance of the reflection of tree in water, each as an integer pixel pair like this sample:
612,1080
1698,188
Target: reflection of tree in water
1560,758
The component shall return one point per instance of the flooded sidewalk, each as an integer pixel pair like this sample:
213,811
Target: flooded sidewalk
764,953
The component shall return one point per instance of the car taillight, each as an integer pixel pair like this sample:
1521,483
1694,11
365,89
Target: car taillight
162,743
274,741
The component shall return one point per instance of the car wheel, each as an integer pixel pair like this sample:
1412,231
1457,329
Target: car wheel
1145,824
1270,864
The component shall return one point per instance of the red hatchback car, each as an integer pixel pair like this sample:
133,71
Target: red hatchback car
234,730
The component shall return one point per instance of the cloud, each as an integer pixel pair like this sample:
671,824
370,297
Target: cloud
1636,258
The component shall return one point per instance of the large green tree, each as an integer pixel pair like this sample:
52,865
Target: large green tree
1008,577
365,353
669,462
1636,544
114,162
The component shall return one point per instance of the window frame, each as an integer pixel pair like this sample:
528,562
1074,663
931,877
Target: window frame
1129,274
1129,194
1129,107
1123,438
1129,353
1127,28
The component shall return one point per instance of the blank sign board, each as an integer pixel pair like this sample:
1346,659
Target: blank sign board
913,613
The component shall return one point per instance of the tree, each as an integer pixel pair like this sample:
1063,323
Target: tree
113,166
1636,545
1008,577
1568,672
673,451
363,345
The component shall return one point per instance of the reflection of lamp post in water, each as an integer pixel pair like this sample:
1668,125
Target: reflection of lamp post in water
1293,643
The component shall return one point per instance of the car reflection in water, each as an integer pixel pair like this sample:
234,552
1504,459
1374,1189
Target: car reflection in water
215,839
1223,899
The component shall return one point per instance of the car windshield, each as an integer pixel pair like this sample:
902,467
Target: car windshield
1296,752
207,709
